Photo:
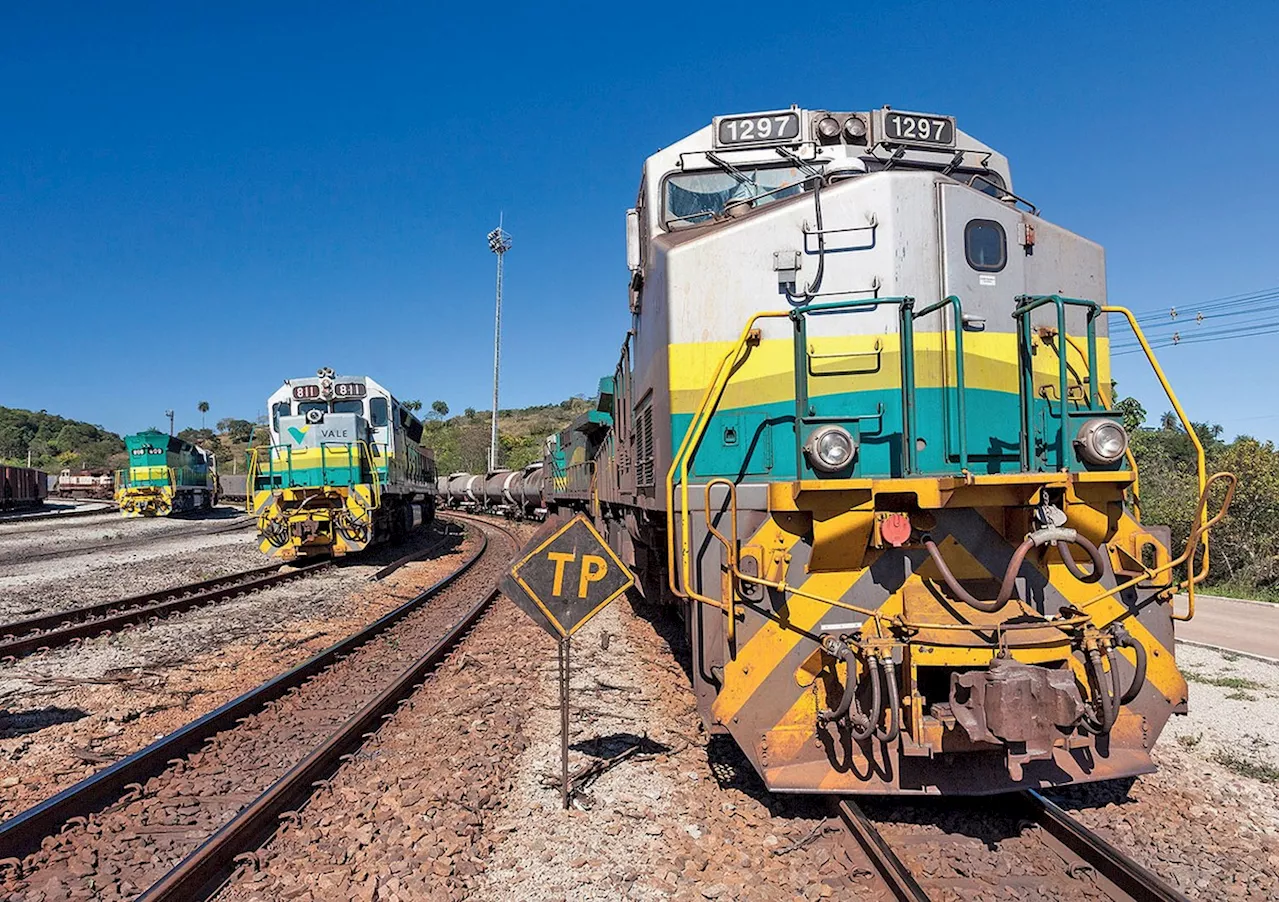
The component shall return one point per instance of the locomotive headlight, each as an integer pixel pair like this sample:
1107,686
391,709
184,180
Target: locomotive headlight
830,449
855,128
828,127
1101,442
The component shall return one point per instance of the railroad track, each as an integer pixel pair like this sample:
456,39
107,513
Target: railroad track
1090,867
22,637
173,820
38,516
22,557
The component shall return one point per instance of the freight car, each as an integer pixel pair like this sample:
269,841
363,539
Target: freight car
345,468
22,488
514,494
85,484
860,433
166,475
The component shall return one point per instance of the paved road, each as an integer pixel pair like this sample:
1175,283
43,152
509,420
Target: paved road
1248,626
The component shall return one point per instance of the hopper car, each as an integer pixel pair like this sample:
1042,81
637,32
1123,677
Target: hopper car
22,487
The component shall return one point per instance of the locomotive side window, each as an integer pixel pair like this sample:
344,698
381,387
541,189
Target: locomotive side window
278,410
984,245
378,412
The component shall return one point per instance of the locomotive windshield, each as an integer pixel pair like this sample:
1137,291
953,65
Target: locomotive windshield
693,197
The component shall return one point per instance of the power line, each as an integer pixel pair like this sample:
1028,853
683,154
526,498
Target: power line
1216,319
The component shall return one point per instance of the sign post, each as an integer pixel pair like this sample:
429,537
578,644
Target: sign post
568,578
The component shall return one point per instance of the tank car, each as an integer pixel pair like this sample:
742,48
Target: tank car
166,475
860,432
345,468
22,488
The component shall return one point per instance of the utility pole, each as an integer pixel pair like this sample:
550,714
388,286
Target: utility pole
169,414
499,243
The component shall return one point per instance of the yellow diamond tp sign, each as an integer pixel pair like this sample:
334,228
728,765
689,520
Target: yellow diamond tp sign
568,577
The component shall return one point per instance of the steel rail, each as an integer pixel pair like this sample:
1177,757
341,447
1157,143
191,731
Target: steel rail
126,542
37,516
23,637
205,870
1110,865
23,833
412,556
895,874
1130,877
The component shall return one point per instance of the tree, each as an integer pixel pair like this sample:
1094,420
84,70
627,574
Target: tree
441,408
414,405
237,430
1131,412
203,407
469,412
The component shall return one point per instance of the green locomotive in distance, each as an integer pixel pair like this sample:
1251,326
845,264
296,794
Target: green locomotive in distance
166,475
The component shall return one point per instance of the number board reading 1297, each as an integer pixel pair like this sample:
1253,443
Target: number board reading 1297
918,128
762,128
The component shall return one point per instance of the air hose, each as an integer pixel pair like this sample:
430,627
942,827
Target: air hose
1124,639
1056,535
1104,690
890,676
860,725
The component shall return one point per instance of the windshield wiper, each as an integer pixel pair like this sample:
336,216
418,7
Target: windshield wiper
729,168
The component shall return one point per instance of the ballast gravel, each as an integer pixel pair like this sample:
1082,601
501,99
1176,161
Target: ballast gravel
71,711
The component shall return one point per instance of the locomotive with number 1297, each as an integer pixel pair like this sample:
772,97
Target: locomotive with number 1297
861,433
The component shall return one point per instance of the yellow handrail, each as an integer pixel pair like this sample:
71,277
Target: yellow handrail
1128,452
373,472
249,476
680,461
1199,528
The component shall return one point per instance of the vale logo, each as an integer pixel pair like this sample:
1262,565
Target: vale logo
299,434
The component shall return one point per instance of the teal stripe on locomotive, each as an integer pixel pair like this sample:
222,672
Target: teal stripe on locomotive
759,442
315,476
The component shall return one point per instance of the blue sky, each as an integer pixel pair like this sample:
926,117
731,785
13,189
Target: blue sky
198,202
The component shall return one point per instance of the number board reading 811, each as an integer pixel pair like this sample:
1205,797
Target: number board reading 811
568,577
762,128
918,128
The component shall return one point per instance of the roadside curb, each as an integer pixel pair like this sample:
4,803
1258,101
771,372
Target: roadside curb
1231,651
1201,596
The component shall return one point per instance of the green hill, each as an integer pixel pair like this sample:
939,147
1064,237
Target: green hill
55,442
461,443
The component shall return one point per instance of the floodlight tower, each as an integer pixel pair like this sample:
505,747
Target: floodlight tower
169,414
499,243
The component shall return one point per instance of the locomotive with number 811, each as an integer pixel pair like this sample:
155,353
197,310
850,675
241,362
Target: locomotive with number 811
345,468
860,432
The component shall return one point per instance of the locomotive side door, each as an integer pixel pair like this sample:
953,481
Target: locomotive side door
983,264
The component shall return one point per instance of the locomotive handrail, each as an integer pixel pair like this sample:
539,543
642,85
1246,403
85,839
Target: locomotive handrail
909,365
1199,534
877,616
680,460
1200,526
1026,381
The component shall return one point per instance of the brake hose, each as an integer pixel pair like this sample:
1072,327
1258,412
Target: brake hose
891,684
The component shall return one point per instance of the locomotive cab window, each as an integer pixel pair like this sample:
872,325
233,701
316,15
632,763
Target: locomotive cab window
378,412
706,194
278,410
984,245
356,407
